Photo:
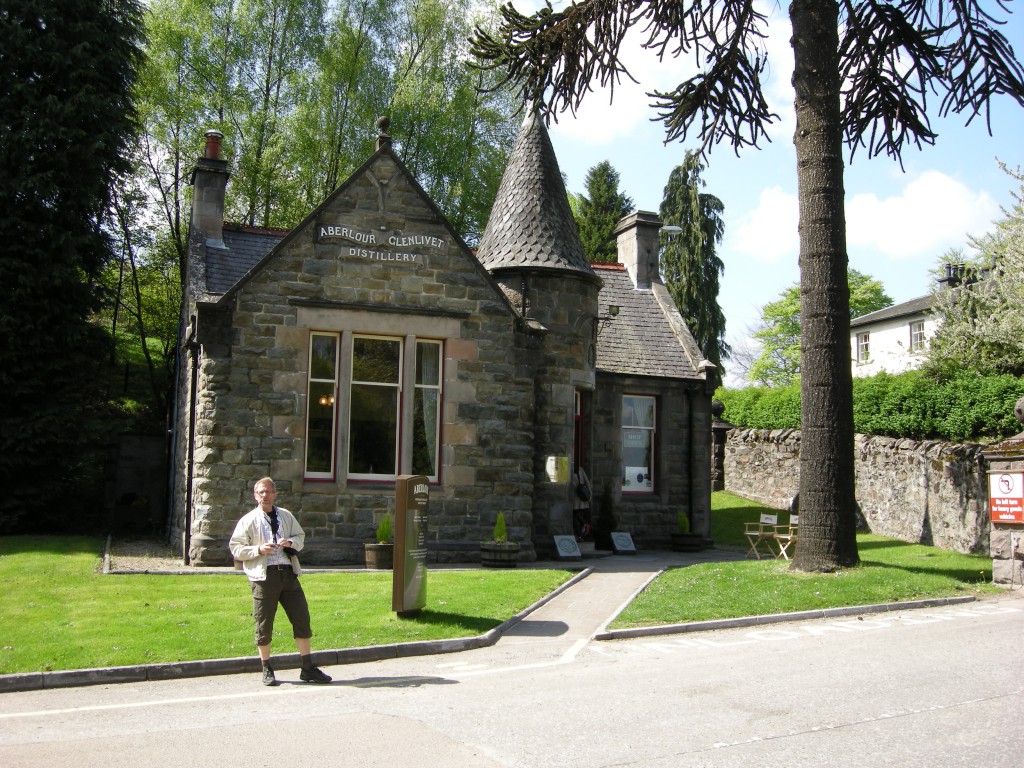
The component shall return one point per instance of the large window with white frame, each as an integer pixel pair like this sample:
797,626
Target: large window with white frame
638,431
378,405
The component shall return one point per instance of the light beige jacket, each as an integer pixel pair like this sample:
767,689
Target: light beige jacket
248,537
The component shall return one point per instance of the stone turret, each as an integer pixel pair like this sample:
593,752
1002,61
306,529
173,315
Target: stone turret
532,248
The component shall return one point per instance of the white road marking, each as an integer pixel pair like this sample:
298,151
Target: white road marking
566,658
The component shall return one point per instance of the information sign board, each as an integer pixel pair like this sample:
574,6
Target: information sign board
409,578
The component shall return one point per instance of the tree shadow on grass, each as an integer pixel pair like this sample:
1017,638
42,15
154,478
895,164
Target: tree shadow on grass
60,545
926,560
472,624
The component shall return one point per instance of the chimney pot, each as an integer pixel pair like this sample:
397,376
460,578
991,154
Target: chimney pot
209,180
213,139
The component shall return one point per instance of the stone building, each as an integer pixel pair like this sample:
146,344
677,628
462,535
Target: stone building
370,342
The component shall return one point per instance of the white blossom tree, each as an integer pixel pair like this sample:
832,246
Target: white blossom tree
981,322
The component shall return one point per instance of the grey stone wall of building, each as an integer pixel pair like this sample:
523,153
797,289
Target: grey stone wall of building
561,310
682,459
926,492
250,416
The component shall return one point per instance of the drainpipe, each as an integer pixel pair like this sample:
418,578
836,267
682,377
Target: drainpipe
193,347
690,490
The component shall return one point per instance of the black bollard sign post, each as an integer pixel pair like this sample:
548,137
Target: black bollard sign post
409,579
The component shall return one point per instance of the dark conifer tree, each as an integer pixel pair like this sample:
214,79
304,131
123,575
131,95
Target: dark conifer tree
690,264
67,69
600,210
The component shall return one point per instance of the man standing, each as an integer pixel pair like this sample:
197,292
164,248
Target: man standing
266,541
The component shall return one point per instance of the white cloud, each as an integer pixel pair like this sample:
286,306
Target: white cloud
779,75
601,121
769,231
931,213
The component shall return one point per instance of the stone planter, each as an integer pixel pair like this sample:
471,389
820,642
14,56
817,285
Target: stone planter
380,556
687,542
494,554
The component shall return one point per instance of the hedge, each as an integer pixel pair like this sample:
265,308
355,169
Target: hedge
967,408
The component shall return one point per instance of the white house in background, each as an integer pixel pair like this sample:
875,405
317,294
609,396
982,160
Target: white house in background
894,339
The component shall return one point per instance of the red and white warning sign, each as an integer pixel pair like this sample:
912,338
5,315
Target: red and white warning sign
1006,497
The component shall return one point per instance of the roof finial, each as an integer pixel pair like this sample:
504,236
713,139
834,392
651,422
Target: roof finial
383,138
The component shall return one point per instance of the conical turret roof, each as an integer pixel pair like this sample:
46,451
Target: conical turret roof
531,225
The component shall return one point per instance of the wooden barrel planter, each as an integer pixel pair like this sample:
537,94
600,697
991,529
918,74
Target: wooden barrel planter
495,554
380,556
687,542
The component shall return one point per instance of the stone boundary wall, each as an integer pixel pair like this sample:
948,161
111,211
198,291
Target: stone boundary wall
924,492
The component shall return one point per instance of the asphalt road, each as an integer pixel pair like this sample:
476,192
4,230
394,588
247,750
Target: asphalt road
933,687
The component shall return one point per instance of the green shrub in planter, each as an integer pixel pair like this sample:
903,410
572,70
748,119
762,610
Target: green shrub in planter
384,529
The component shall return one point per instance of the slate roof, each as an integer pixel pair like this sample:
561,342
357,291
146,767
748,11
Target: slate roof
531,225
645,338
919,306
246,246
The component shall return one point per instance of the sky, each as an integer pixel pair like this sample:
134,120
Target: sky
900,221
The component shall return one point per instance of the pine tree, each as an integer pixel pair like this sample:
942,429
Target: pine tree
599,211
689,263
66,118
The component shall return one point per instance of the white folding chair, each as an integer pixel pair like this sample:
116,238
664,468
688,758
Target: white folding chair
785,537
760,535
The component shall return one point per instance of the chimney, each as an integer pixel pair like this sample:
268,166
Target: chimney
637,238
209,180
959,274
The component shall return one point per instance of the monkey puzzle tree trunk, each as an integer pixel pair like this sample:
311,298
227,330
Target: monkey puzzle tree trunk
827,503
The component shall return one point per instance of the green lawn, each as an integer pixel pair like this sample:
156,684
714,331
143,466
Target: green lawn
60,613
890,570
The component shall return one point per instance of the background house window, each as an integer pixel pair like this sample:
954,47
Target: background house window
863,347
638,420
917,339
321,413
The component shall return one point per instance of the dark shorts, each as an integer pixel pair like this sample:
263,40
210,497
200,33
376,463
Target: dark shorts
281,586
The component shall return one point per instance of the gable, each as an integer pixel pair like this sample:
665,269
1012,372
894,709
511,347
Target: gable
377,238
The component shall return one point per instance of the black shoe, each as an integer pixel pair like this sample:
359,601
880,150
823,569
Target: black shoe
268,676
314,675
